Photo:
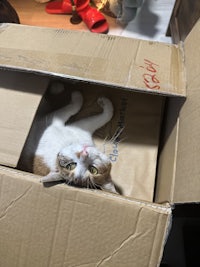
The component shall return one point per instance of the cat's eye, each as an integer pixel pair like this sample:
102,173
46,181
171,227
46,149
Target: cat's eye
71,166
93,170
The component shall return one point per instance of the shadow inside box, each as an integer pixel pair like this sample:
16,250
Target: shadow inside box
183,246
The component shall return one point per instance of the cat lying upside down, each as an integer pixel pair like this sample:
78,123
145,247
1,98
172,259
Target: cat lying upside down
67,152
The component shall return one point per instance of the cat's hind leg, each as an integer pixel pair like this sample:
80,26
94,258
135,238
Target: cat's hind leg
62,115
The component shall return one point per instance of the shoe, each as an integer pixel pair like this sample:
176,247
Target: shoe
65,6
94,19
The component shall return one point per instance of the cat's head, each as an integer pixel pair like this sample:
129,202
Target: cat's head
85,166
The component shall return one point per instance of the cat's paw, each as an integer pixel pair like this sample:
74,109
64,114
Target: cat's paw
77,98
107,106
105,103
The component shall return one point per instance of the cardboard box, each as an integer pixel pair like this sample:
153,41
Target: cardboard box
68,226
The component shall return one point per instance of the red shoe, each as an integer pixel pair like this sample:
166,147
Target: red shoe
95,21
65,6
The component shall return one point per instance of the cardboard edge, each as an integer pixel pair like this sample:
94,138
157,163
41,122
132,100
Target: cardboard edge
181,55
167,231
32,178
29,66
187,165
54,75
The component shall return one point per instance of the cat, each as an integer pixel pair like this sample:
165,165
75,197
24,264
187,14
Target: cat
66,151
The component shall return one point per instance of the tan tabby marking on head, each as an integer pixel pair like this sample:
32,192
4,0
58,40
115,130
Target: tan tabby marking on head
39,167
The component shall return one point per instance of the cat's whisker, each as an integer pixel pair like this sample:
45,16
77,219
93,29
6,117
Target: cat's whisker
113,139
69,181
88,183
122,140
104,144
94,185
116,134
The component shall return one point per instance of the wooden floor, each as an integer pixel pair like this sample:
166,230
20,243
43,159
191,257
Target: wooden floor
150,23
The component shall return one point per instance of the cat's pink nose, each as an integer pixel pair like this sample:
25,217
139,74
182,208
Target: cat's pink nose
84,153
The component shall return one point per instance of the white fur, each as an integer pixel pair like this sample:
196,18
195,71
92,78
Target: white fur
61,137
78,134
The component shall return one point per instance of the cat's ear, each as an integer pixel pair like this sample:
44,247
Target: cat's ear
109,187
51,177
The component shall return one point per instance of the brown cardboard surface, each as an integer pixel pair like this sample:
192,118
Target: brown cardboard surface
187,183
117,61
20,94
66,226
178,180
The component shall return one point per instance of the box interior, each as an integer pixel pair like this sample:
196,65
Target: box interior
59,224
136,124
130,139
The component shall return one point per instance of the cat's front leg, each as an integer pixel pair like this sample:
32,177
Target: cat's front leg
104,117
95,122
107,107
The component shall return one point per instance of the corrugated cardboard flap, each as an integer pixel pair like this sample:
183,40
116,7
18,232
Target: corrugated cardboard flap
112,60
187,181
66,226
183,145
20,95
